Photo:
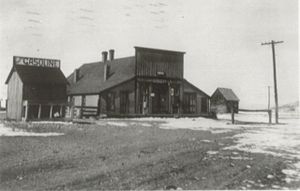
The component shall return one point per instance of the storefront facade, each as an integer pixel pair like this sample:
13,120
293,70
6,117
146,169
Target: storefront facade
150,83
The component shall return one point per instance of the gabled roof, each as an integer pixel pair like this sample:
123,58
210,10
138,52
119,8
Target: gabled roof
228,94
196,88
38,75
91,76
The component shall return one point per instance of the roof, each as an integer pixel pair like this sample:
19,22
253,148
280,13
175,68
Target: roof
91,76
196,88
228,94
38,75
158,50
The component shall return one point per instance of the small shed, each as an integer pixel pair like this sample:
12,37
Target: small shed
223,99
36,89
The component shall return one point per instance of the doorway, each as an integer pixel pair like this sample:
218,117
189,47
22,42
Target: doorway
160,98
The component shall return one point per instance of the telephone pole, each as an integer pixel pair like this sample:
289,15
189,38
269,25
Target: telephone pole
272,43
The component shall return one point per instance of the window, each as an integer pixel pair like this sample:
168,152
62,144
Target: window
110,101
124,102
189,103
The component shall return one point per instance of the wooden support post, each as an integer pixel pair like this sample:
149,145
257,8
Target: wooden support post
150,99
51,109
40,111
181,89
71,110
232,115
170,99
61,111
270,116
26,112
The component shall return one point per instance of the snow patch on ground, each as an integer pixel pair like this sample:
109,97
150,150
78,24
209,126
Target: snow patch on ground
52,122
204,124
281,140
212,152
119,124
10,132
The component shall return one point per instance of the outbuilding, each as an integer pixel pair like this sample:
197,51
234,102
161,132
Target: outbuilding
150,83
223,99
36,89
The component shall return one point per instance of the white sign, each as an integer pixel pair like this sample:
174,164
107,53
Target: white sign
42,62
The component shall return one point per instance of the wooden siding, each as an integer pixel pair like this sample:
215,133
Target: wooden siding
14,97
220,105
128,87
149,63
187,88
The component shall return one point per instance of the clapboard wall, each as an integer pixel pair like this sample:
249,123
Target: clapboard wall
14,97
153,63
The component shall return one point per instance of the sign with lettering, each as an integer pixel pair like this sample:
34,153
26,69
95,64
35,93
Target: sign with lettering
41,62
159,73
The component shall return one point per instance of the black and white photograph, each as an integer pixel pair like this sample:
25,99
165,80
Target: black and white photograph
149,95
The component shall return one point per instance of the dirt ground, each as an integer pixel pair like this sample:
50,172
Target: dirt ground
113,157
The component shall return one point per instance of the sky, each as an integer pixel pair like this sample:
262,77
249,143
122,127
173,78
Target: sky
222,39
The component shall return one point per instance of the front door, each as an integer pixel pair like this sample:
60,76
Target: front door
159,96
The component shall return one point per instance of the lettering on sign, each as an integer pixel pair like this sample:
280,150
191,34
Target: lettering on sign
160,73
42,62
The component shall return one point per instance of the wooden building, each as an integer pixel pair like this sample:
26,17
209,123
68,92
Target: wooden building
36,89
147,84
223,99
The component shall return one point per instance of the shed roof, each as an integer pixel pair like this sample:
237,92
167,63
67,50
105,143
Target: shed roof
228,94
38,75
91,76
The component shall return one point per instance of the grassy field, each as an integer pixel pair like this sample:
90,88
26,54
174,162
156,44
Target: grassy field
133,154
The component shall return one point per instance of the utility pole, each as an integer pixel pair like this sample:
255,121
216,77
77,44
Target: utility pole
272,43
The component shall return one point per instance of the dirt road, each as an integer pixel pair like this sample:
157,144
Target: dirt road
134,154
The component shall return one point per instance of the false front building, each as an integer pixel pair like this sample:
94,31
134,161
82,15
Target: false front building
151,83
36,89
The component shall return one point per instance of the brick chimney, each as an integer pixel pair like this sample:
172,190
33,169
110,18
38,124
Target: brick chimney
106,71
111,54
104,56
76,75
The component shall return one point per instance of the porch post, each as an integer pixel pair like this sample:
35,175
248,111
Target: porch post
60,111
170,98
26,112
181,98
51,108
150,98
40,111
137,99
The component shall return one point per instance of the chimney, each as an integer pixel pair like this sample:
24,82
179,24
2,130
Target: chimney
76,75
106,71
111,54
104,56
